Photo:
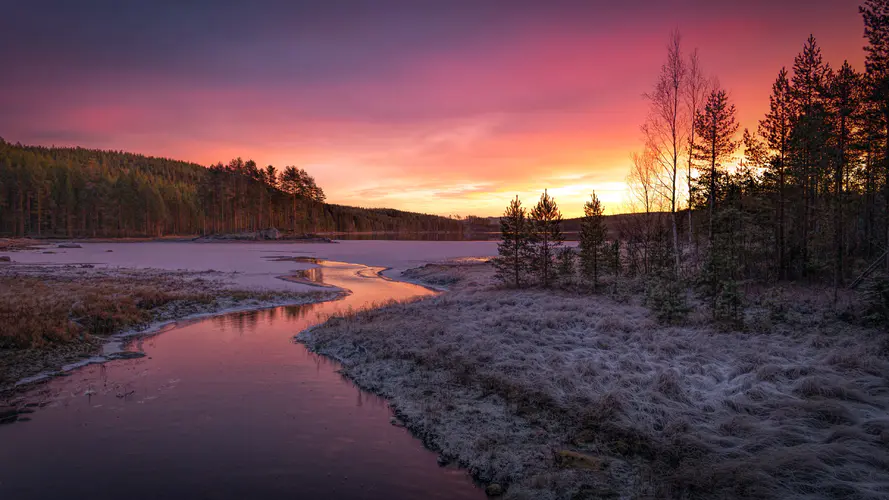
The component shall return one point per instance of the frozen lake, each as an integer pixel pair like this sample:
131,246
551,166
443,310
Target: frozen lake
230,407
251,261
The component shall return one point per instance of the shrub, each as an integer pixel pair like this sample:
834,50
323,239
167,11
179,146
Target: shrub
875,298
666,296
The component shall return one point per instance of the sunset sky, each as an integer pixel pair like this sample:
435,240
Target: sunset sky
446,107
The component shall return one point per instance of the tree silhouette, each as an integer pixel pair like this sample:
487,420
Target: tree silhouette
592,239
546,237
514,249
717,126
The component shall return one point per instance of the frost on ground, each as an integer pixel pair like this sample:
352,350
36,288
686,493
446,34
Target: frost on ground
55,315
557,395
465,272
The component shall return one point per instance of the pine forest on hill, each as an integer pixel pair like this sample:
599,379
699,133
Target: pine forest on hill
77,192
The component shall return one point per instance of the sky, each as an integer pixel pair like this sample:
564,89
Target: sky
445,107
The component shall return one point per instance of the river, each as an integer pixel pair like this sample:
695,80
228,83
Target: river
225,407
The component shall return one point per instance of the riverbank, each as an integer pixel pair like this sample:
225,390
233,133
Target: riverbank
551,394
55,315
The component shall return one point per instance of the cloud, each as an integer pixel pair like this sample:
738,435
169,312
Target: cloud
445,107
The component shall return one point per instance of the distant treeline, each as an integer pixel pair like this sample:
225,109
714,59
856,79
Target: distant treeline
76,192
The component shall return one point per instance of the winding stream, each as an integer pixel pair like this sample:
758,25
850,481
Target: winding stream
225,407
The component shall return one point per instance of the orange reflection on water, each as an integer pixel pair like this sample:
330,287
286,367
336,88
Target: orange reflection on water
227,407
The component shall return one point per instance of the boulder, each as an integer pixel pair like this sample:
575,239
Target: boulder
5,258
68,245
270,234
494,490
578,460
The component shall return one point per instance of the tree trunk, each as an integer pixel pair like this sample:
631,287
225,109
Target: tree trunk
838,210
886,163
782,258
712,181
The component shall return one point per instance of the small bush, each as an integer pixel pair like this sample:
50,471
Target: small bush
875,298
668,299
566,265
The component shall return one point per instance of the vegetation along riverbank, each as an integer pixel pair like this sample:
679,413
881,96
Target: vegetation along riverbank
55,315
557,394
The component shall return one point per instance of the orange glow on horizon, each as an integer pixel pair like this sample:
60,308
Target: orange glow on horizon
458,128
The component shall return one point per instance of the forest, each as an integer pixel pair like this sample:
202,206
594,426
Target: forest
77,192
803,197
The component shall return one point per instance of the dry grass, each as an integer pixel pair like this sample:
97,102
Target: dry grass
36,312
52,315
564,396
16,244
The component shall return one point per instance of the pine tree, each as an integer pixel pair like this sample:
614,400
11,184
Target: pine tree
546,237
809,150
844,94
592,240
776,129
514,248
875,14
717,127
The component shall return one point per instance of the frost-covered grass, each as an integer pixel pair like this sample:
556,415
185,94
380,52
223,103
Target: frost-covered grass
557,394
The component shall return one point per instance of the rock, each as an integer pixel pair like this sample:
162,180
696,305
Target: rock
270,234
493,490
8,415
443,460
5,258
397,423
884,436
108,251
68,245
577,460
126,355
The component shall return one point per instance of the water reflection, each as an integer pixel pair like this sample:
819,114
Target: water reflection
227,407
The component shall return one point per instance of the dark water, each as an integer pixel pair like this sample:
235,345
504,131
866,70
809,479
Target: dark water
224,408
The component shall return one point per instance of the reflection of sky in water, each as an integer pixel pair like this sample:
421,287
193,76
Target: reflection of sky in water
226,407
315,274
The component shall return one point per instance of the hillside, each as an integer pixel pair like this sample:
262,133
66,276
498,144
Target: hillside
77,192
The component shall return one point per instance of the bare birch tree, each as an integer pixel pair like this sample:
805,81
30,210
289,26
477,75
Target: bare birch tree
641,184
665,130
645,199
695,93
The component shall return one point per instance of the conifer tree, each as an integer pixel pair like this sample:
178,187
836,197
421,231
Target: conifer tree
546,237
776,129
844,93
809,147
514,248
592,240
717,127
875,14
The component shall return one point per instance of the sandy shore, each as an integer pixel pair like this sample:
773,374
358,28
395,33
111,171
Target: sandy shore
551,394
60,316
